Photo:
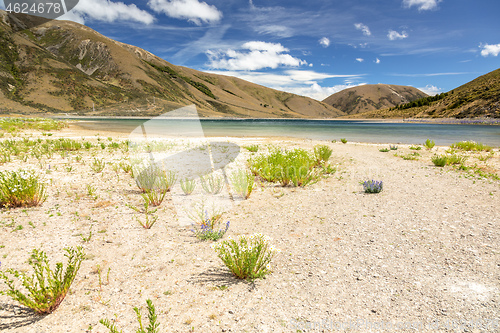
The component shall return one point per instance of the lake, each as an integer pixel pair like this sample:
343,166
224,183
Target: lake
352,130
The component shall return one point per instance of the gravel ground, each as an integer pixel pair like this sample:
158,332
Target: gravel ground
422,255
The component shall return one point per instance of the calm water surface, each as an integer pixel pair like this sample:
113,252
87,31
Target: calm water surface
358,131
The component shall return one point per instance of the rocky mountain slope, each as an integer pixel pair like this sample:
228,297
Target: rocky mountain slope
64,67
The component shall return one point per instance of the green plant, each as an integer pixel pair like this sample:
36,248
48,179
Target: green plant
429,144
91,191
247,257
46,288
391,147
149,217
207,229
322,153
212,183
415,147
343,140
188,186
243,183
98,165
152,318
442,160
384,150
252,148
153,178
470,146
21,189
439,161
286,167
372,186
126,167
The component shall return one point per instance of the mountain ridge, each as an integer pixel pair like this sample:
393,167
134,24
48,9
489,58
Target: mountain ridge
65,67
369,97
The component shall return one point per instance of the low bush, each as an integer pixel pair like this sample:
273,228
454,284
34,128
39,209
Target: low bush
247,257
21,189
429,144
372,186
322,154
470,146
46,288
212,183
296,167
243,183
188,186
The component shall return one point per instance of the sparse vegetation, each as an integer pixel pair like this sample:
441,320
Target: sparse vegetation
429,144
153,325
470,146
243,183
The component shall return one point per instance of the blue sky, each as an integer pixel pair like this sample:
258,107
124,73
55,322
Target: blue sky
315,47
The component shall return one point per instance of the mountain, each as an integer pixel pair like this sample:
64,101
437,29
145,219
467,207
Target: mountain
371,97
478,98
65,67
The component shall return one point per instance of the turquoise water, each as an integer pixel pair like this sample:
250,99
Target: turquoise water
352,130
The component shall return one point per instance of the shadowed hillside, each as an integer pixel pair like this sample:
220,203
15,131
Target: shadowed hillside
65,67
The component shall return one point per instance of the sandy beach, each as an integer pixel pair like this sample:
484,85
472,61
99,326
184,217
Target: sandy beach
423,255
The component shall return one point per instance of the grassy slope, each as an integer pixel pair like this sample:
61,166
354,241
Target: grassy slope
372,97
66,67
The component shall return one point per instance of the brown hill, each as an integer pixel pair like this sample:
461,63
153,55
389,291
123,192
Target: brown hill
478,98
371,97
65,67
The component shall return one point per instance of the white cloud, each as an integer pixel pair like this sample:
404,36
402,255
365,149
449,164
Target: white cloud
107,11
191,10
277,30
360,26
393,35
377,61
253,56
301,82
325,42
360,59
430,90
488,49
421,4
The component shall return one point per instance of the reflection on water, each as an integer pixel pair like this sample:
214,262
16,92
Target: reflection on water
357,131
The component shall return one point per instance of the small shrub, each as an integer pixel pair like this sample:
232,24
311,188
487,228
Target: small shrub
429,144
243,183
21,189
415,147
470,146
372,186
212,183
442,160
343,140
411,156
286,167
188,186
391,147
98,165
384,150
439,161
87,145
208,229
322,153
153,326
46,288
126,167
152,177
247,257
252,148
